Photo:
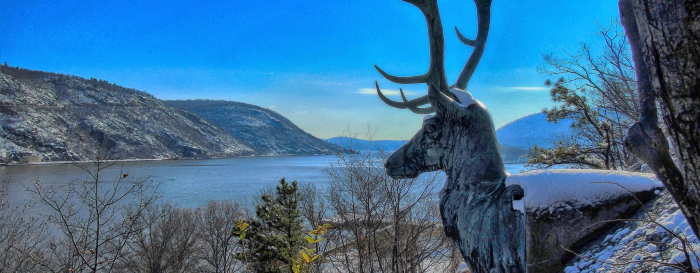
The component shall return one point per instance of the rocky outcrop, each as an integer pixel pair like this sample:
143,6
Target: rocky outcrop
263,130
570,209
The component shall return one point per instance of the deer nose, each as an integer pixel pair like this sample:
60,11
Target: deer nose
393,162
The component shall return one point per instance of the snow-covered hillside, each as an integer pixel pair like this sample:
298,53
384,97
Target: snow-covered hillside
57,117
63,118
265,131
519,135
531,130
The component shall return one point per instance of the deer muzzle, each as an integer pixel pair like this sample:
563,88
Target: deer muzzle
399,166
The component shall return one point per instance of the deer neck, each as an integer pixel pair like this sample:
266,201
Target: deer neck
473,157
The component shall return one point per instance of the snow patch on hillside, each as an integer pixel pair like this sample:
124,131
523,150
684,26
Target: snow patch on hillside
532,130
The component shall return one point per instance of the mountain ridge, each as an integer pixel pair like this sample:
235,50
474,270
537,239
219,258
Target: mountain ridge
533,129
266,131
57,117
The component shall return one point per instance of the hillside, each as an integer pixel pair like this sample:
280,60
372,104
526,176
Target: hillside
62,118
519,135
531,130
263,130
58,117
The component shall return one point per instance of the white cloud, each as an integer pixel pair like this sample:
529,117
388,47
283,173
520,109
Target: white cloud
302,112
386,92
271,107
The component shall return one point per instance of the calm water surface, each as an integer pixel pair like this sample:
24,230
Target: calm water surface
190,182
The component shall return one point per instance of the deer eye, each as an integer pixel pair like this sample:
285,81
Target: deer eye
429,128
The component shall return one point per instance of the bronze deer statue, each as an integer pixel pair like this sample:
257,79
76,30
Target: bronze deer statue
460,139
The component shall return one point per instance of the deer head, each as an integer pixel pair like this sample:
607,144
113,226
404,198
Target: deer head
461,133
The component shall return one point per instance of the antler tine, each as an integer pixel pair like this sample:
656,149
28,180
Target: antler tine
406,104
483,12
403,97
465,40
439,96
426,110
403,80
436,73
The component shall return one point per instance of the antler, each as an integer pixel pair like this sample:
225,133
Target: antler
439,95
483,14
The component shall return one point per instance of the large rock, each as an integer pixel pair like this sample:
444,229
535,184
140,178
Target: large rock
567,209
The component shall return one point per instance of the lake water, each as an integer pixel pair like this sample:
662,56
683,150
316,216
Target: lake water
190,183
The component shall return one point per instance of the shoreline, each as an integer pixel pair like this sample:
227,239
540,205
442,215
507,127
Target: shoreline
78,162
144,159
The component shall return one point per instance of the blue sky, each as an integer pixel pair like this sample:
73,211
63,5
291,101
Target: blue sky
312,61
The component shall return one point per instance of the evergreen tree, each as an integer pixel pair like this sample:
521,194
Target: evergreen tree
275,237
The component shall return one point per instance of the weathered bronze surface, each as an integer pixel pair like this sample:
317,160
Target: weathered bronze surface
475,204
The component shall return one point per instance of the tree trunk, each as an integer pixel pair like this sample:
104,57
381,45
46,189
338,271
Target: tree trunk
665,40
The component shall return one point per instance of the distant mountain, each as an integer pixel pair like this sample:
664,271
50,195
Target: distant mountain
61,118
363,145
519,135
58,117
532,130
264,130
515,138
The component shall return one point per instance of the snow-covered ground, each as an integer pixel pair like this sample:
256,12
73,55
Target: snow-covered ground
643,246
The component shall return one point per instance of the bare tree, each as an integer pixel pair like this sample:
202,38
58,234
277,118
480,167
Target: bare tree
356,200
599,94
315,208
22,236
167,241
92,217
184,247
382,224
218,242
664,37
415,234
